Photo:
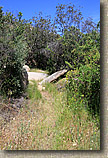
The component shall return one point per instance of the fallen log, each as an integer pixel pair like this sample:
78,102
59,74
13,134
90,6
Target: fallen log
53,77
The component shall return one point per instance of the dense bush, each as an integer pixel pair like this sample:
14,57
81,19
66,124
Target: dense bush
39,32
83,86
54,56
83,81
13,50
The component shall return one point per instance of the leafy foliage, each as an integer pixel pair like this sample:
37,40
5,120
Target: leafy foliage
67,16
13,50
83,80
83,87
38,33
70,41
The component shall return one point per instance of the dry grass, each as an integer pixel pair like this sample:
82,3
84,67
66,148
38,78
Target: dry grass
38,70
46,123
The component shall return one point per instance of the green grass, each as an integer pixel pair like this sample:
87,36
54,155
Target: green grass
75,129
33,92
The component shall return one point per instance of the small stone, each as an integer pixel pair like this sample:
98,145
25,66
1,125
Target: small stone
26,67
74,144
43,88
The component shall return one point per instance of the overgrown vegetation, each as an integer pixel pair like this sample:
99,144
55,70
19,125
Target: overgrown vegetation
48,124
71,42
33,92
13,50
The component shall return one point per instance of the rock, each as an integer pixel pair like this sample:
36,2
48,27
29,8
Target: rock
18,103
40,87
26,67
25,79
53,77
43,88
36,76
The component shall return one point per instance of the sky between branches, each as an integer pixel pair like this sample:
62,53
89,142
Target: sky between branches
29,8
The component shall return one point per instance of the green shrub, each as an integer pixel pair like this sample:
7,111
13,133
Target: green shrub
83,87
13,50
11,70
37,37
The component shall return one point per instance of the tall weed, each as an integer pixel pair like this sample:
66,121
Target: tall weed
33,92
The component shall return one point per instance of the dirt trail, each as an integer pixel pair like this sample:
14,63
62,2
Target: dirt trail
32,127
38,119
48,123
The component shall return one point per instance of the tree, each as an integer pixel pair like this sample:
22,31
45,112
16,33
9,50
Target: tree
39,32
67,16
